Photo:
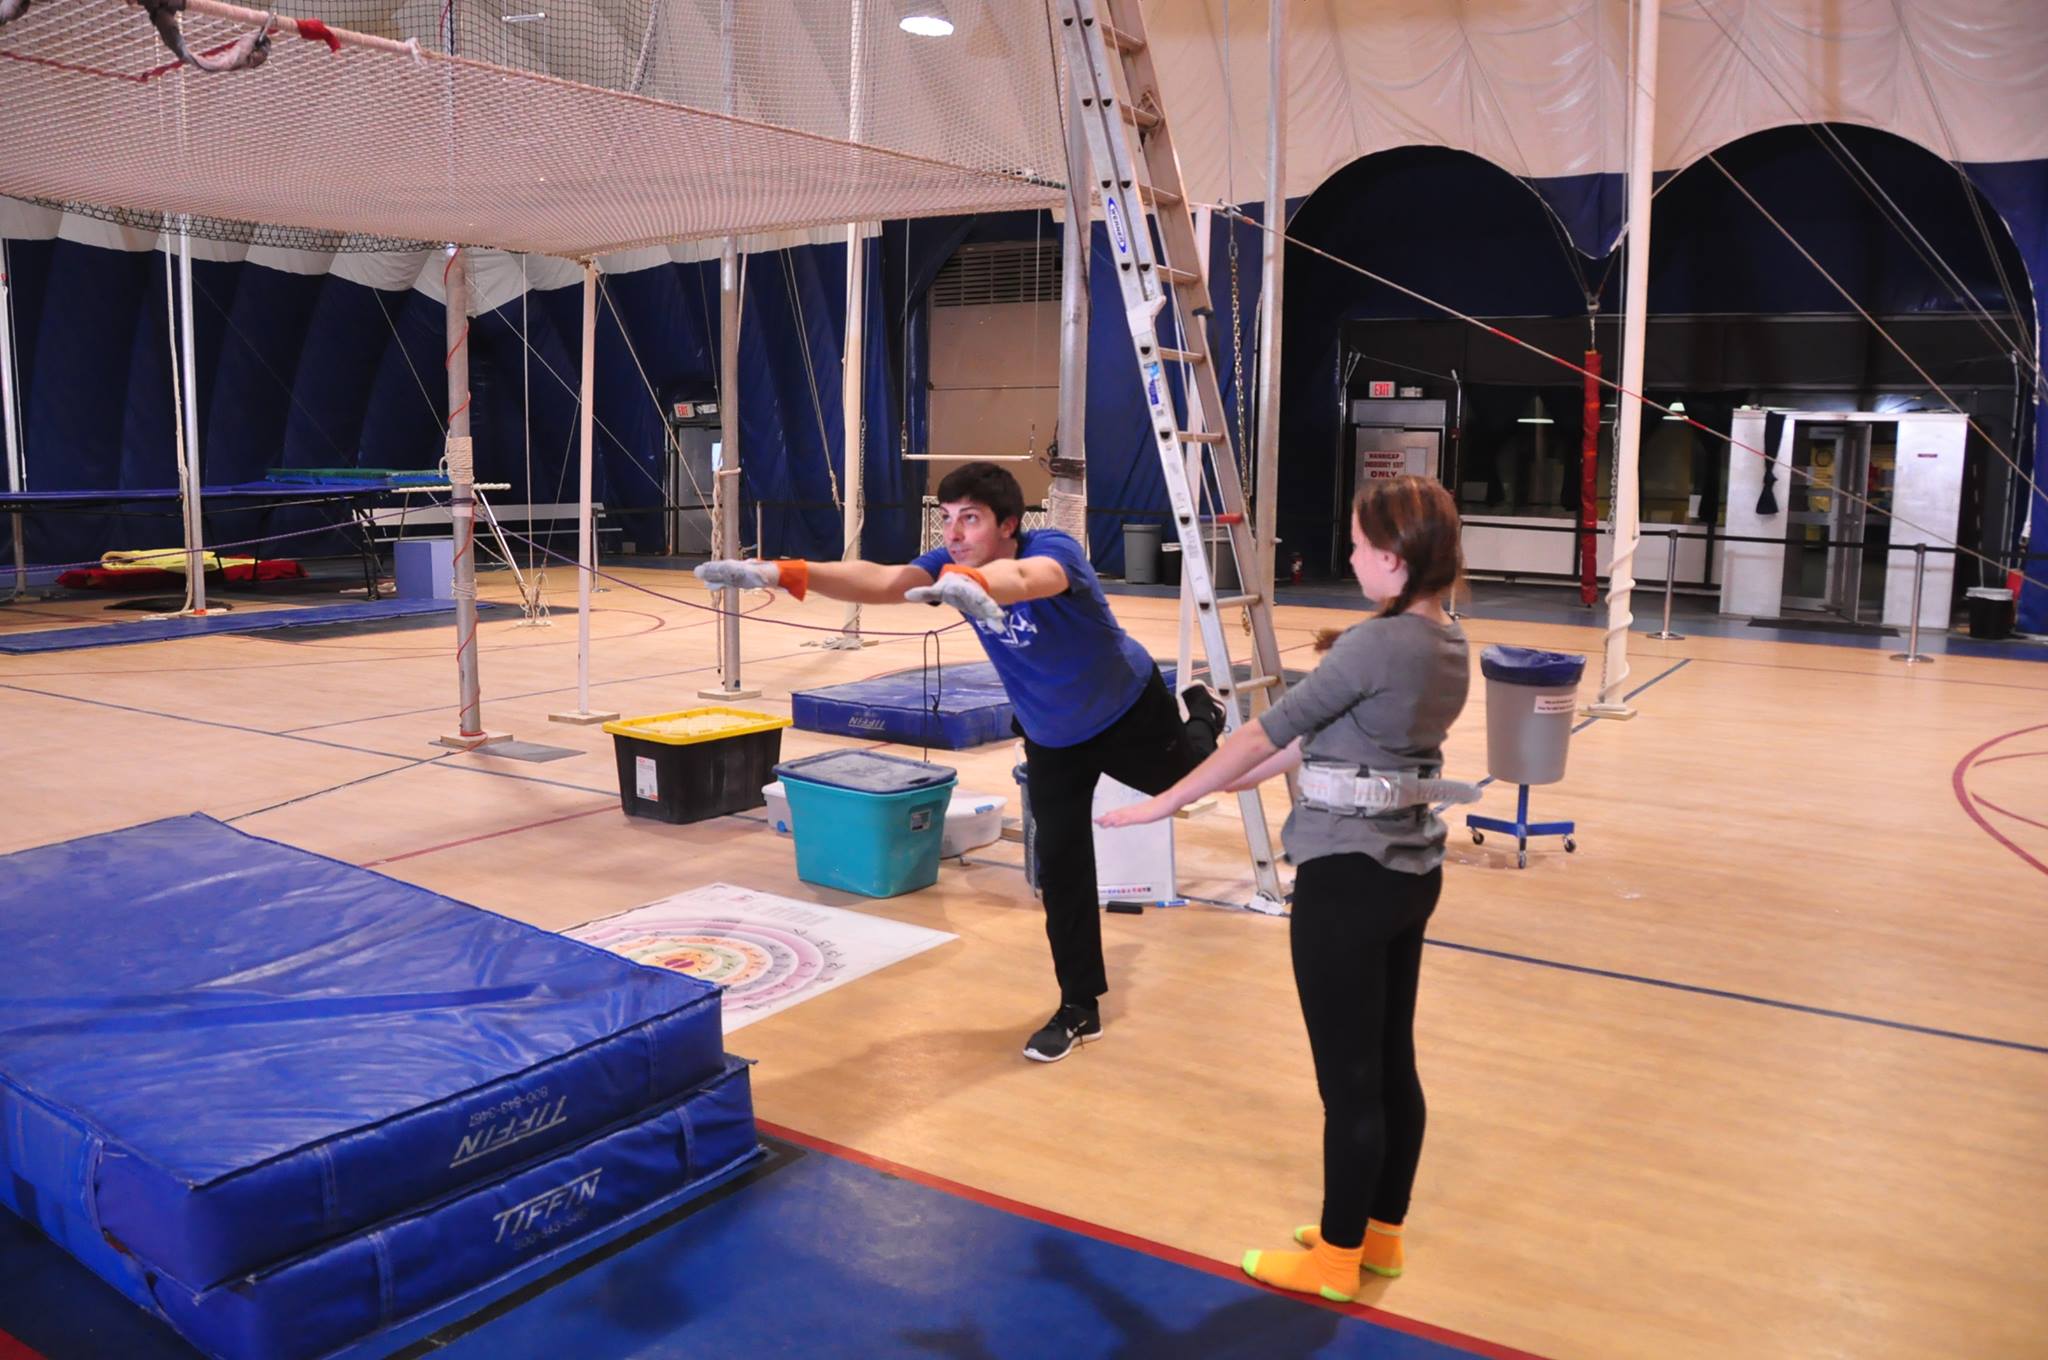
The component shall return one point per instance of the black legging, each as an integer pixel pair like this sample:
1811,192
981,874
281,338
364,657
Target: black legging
1357,941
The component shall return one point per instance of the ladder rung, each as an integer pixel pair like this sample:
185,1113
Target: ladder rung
1123,41
1182,356
1137,117
1237,601
1258,682
1153,197
1201,437
1179,275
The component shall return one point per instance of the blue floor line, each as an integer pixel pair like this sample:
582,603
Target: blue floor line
1725,995
310,741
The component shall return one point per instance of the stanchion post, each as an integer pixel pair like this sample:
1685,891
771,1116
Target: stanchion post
1665,634
1912,655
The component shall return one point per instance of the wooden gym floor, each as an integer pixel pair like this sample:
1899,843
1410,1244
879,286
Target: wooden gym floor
1762,1069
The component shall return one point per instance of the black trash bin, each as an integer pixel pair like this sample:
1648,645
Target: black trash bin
1991,612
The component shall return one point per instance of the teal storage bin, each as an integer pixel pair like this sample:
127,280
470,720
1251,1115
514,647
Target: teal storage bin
865,822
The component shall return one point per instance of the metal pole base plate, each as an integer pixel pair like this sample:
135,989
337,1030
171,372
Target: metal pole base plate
1618,712
1911,658
728,694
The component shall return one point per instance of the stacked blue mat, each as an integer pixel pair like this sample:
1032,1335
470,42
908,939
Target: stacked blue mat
954,707
288,1104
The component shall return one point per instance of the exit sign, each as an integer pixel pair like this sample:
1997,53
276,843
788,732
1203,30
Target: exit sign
1379,389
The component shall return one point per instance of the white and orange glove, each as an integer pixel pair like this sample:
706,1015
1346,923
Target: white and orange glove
790,574
965,589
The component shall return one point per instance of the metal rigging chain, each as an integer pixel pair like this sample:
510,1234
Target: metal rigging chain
1244,471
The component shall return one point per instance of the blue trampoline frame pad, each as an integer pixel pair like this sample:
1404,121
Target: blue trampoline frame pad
219,1054
241,621
973,707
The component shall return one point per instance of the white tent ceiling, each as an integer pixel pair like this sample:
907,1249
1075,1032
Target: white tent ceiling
384,142
1539,88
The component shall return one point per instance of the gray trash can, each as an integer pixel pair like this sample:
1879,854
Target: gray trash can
1141,554
1531,699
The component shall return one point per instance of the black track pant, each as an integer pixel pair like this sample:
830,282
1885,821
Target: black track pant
1148,748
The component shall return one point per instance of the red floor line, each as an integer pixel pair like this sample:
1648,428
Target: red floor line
2008,812
10,1349
1969,804
483,836
1378,1317
2016,755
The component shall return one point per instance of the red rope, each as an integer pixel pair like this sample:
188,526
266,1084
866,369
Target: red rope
1589,483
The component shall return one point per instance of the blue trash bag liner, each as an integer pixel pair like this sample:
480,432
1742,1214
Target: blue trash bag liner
1531,666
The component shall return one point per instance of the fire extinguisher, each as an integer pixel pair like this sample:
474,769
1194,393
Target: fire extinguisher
1294,567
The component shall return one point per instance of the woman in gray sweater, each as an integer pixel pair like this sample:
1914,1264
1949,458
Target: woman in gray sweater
1379,704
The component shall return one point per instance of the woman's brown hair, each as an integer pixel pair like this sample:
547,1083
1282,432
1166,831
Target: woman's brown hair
1415,519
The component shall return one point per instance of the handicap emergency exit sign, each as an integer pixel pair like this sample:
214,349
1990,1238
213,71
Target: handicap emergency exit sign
1385,462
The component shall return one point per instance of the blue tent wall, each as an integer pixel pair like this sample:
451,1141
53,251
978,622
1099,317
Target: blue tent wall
2019,190
1462,231
319,371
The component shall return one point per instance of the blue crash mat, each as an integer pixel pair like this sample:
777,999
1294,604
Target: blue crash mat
972,707
217,1051
240,621
374,1281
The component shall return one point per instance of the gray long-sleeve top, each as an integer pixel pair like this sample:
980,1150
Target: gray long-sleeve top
1383,698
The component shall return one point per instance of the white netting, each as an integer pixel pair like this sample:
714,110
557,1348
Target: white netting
595,128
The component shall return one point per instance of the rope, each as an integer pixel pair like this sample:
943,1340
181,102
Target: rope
1741,48
652,593
1933,536
1875,325
803,336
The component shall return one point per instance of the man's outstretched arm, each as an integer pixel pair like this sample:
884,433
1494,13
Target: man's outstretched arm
853,582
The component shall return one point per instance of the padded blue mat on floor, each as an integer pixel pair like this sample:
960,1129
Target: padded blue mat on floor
218,1052
240,621
972,707
818,1257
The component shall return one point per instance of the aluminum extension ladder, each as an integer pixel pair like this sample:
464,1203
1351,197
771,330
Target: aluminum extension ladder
1136,174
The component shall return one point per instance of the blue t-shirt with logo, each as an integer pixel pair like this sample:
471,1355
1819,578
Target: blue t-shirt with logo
1069,668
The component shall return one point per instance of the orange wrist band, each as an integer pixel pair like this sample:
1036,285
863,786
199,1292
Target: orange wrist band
795,575
954,569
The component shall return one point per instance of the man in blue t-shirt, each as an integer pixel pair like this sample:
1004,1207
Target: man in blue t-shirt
1089,700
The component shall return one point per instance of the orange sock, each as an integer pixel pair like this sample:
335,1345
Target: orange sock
1381,1253
1323,1269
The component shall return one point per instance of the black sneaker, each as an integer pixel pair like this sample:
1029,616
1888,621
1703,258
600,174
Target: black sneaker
1070,1025
1205,718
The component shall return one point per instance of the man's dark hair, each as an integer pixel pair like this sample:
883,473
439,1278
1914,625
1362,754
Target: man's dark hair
993,486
